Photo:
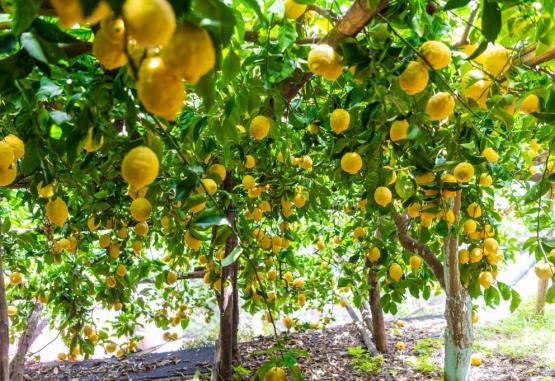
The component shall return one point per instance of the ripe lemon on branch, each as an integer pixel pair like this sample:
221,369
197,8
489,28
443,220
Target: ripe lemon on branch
440,106
323,60
140,167
495,60
414,78
339,120
382,196
70,12
476,87
275,374
150,22
190,52
544,270
160,90
260,127
464,172
530,104
17,146
395,272
141,209
57,212
109,44
8,175
351,162
398,130
294,10
436,54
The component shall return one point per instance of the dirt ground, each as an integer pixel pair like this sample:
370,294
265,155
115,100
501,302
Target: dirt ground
325,356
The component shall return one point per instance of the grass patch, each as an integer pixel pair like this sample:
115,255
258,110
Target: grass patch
523,334
426,350
362,361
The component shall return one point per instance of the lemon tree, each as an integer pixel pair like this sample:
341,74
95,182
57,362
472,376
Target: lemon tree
292,154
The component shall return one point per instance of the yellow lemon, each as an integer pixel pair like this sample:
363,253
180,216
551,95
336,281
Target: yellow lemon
57,212
109,52
339,120
414,78
425,178
70,12
485,180
469,226
486,279
373,254
141,209
260,127
137,246
440,106
161,91
8,175
323,60
399,130
12,311
495,59
464,256
530,104
544,270
191,241
382,196
294,10
475,360
400,345
249,182
490,154
141,229
275,374
121,270
209,185
17,146
111,282
7,155
464,172
476,255
219,170
436,54
413,210
474,210
140,167
298,283
171,277
150,22
250,162
190,52
476,87
351,162
415,262
395,272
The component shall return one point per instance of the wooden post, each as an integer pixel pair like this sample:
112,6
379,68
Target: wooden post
378,324
4,327
458,311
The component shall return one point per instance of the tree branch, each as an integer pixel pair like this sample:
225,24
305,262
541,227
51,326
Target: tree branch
25,341
531,59
328,13
466,32
361,328
417,247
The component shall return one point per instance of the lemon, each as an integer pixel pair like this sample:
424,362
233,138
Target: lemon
475,317
294,10
109,52
476,87
8,175
440,106
395,272
57,212
90,145
339,120
464,256
111,282
475,360
413,210
299,200
544,270
260,127
275,374
110,348
250,162
398,130
140,167
447,178
414,78
141,229
490,154
137,246
141,209
415,262
12,311
469,226
436,54
121,270
323,60
219,170
114,250
495,60
17,145
16,278
104,241
464,172
190,52
249,182
122,233
530,104
7,155
298,283
485,180
476,255
486,279
70,12
351,162
474,210
382,196
301,299
191,241
373,254
425,178
161,91
150,22
45,191
359,232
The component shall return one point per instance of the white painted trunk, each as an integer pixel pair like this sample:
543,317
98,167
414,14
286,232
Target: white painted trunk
458,338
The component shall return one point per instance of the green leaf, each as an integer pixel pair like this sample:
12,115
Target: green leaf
253,4
231,66
30,43
479,50
6,224
205,221
505,290
550,297
287,35
232,257
491,20
453,4
24,14
47,89
515,301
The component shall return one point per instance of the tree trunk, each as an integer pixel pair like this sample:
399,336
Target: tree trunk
458,311
541,295
378,325
235,346
227,302
364,333
26,339
4,327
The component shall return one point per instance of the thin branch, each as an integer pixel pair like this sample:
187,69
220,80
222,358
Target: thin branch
417,247
469,25
328,13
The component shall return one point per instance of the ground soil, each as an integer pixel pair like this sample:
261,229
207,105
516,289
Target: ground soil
325,358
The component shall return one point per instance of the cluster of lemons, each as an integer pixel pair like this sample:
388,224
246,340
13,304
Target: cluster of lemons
12,149
160,52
